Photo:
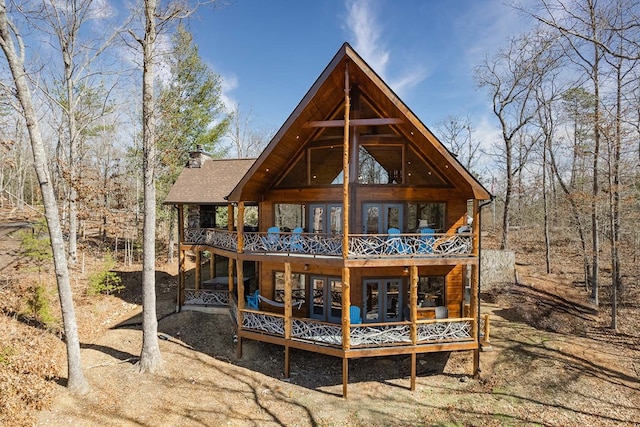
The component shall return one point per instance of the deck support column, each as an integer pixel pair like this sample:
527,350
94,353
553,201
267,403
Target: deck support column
413,371
475,289
345,376
240,227
413,307
181,259
288,312
239,268
198,275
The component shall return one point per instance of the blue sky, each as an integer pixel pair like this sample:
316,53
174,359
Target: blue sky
269,52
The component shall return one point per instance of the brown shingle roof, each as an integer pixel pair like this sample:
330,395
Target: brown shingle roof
210,184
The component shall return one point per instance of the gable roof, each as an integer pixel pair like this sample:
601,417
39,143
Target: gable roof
325,101
209,184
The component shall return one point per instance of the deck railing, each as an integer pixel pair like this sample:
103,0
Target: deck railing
209,297
361,335
360,245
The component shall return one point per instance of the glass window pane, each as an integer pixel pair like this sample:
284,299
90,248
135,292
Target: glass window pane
289,216
317,219
336,219
431,291
372,219
318,289
336,299
371,301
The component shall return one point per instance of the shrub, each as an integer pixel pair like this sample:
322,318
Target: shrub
39,307
105,281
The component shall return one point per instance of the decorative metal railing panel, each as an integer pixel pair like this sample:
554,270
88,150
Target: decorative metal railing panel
263,322
206,297
360,245
376,335
293,243
316,331
444,331
382,245
216,237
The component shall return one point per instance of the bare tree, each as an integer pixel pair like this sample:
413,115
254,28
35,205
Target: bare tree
511,77
456,133
9,35
246,140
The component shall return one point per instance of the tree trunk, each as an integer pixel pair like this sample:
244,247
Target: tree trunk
76,381
150,357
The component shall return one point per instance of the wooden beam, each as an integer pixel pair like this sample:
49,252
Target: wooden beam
288,310
381,121
413,302
346,306
413,371
198,275
240,227
345,166
181,258
345,376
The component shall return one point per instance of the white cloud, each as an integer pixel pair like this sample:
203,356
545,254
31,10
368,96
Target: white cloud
228,84
362,22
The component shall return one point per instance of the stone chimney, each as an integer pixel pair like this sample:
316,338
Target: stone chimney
198,157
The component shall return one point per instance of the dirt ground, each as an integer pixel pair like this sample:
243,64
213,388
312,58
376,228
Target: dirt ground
554,363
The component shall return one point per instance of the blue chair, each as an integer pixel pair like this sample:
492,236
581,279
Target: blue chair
395,244
272,241
426,240
296,240
354,315
253,300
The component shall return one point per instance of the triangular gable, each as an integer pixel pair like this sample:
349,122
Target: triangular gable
323,103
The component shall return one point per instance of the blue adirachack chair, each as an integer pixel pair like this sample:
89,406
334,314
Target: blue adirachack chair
426,240
253,300
272,241
354,315
296,240
395,244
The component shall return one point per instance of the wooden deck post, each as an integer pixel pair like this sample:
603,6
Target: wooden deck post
181,259
345,166
346,326
239,268
288,312
240,227
198,275
413,307
475,283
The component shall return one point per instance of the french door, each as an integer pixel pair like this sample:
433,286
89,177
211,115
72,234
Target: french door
326,298
383,300
378,218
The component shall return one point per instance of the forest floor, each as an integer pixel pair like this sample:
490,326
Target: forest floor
554,362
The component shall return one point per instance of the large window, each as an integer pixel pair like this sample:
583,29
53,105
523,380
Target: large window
298,287
427,214
431,291
378,218
380,164
326,219
289,216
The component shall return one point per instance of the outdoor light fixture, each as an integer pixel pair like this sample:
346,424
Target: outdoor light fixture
306,267
406,270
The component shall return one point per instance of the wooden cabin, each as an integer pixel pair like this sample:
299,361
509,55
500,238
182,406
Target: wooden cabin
354,234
